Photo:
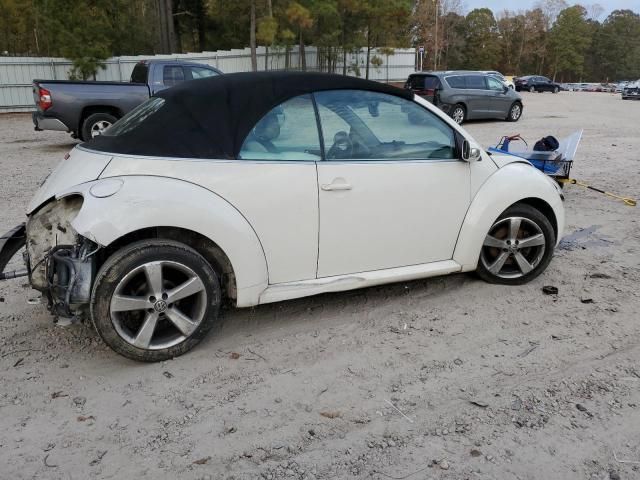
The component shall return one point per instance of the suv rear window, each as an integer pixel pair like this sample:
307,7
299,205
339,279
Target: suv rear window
422,82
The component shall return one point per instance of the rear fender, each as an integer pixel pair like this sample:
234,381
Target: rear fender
511,184
118,206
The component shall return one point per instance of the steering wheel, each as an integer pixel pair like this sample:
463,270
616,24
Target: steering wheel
342,146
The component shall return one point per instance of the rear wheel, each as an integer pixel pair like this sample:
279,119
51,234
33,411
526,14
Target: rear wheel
154,300
518,247
459,114
556,89
95,124
532,89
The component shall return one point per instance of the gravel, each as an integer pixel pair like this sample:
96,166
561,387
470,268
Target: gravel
252,418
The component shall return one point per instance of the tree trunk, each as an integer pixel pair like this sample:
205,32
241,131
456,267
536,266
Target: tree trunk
368,49
171,35
301,52
252,37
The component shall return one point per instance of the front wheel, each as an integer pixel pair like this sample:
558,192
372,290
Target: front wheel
556,89
458,114
154,300
532,89
518,246
515,112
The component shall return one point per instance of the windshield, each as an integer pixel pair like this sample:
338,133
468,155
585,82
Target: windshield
135,117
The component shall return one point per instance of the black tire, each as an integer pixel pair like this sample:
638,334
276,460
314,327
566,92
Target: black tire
93,122
459,113
509,273
122,265
515,112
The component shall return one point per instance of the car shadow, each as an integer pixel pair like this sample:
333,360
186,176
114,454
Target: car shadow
329,309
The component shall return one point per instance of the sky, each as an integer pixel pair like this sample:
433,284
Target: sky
498,5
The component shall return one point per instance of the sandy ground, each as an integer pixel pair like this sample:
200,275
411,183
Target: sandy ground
492,382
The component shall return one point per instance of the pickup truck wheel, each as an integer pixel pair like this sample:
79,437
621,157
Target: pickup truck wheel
95,124
154,300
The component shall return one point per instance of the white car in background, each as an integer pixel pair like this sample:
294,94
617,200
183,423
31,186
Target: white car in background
501,77
254,188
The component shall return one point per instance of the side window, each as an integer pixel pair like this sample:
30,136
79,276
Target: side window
201,72
495,84
172,75
456,82
475,82
287,132
363,125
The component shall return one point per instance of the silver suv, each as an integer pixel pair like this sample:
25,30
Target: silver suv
467,95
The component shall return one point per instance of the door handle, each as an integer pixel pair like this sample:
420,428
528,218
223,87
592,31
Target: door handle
331,187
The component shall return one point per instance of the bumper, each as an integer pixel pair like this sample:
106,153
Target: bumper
10,244
47,123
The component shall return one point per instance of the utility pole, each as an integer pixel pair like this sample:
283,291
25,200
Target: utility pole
435,47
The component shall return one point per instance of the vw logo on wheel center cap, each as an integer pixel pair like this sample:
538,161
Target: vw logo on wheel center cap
160,306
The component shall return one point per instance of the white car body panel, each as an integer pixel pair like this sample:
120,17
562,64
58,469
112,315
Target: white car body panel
278,199
81,166
144,202
387,219
510,184
286,291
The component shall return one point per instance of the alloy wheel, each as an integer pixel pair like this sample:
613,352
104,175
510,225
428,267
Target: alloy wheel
513,247
516,111
158,305
458,115
99,127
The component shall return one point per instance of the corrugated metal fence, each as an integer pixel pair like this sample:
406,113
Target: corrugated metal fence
17,73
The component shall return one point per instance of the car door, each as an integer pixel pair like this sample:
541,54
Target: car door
478,97
500,102
391,190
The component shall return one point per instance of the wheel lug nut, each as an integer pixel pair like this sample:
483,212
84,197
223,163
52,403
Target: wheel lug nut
152,299
165,296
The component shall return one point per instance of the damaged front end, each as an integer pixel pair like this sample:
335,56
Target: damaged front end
61,263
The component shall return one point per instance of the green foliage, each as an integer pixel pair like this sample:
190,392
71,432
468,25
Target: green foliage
569,40
482,40
551,39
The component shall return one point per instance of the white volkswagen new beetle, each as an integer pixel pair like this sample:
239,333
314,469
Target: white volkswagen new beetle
257,188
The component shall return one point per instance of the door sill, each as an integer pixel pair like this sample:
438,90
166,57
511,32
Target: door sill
339,283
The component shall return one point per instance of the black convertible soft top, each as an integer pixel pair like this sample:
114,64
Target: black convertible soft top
210,117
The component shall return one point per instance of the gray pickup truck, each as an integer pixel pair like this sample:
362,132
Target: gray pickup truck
86,109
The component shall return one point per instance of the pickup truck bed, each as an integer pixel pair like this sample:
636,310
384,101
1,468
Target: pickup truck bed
85,108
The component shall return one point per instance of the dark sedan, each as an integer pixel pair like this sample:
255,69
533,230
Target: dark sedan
536,83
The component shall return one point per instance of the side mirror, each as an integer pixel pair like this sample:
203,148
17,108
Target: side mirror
505,89
466,151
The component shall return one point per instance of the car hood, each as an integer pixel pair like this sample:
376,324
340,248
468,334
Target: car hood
80,166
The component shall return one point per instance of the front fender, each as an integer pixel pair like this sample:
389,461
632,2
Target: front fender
508,185
117,206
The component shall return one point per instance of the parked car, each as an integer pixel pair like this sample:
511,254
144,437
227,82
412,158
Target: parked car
207,193
631,91
86,109
536,83
466,95
508,82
